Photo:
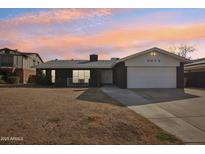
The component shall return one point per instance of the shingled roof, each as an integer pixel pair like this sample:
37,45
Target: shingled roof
182,59
195,64
86,64
77,64
16,52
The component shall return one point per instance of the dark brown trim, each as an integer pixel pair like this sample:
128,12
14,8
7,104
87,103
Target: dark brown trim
120,75
48,75
61,77
180,75
94,78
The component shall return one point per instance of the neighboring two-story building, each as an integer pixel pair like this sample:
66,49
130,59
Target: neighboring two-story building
19,63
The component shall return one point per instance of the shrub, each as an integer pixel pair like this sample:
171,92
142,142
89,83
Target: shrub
2,81
13,79
42,80
32,79
2,77
166,137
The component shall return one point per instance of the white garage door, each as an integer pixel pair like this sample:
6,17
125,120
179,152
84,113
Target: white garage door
151,77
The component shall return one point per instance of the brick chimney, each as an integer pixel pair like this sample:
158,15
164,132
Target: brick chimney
93,57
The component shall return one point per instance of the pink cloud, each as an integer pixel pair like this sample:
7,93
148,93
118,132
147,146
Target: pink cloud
117,40
57,16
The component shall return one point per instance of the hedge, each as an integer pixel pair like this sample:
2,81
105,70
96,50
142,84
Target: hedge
2,77
2,82
13,79
42,80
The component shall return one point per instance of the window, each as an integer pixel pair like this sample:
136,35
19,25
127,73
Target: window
75,76
53,76
7,60
7,51
87,76
44,72
153,53
34,62
81,76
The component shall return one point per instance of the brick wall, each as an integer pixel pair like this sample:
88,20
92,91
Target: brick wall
29,75
26,75
19,72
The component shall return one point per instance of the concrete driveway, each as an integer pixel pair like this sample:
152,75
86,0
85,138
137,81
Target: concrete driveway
183,116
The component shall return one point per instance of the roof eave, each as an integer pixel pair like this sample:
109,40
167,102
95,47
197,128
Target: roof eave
182,59
73,67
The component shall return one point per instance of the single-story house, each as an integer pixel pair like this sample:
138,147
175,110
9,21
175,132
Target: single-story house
195,73
152,68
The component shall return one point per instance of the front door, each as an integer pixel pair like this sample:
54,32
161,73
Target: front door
106,77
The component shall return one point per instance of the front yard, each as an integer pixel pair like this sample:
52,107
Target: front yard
72,116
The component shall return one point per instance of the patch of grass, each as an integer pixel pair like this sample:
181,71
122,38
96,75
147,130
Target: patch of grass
166,137
54,120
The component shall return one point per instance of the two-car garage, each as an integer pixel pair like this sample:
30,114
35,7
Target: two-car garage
151,77
153,68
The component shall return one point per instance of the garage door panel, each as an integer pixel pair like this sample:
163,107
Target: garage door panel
151,77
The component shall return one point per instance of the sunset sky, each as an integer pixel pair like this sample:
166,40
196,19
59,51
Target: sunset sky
76,33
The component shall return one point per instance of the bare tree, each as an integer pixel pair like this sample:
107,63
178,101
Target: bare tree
183,50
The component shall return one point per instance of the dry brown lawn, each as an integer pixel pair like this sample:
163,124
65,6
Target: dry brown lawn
72,116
